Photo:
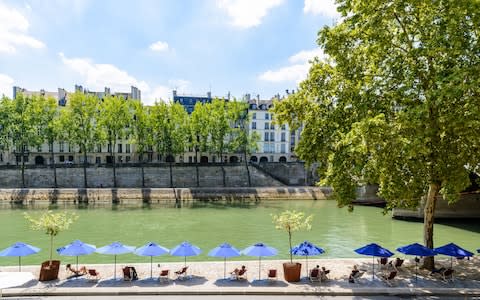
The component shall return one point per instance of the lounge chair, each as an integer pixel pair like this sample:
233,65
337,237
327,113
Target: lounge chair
389,279
181,274
397,263
272,274
357,276
382,262
315,275
448,275
93,274
126,274
164,275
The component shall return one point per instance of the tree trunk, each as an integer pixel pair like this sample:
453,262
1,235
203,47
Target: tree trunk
112,155
223,169
55,185
171,175
51,249
428,221
143,174
196,171
85,168
290,243
248,170
23,169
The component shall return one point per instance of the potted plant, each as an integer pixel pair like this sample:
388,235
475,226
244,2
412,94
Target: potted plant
52,224
291,221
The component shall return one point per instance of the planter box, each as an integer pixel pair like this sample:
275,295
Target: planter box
49,271
291,271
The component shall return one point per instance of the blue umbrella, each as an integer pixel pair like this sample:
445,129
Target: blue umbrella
151,249
374,250
115,248
452,250
224,250
19,249
307,249
185,249
259,250
76,248
417,250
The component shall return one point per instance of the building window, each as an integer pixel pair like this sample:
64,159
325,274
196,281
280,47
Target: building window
127,148
254,125
267,126
127,159
266,137
284,127
149,157
109,148
99,148
254,116
272,126
61,158
265,148
272,136
70,158
120,148
69,148
61,145
282,137
266,116
282,148
50,147
98,160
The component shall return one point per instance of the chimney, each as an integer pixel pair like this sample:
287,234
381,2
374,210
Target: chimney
258,97
209,94
286,91
174,93
247,97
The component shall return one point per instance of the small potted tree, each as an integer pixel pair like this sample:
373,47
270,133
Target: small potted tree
291,221
52,224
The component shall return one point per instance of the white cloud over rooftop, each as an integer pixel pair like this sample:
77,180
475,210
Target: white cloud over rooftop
247,13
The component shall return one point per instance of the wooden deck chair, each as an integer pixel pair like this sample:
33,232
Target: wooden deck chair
447,275
164,275
182,274
272,274
127,276
389,279
315,275
93,274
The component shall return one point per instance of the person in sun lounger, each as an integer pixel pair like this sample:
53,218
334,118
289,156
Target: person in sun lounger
79,272
352,275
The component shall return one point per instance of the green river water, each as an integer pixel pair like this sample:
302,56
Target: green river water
208,224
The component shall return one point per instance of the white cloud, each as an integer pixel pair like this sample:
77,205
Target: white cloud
13,31
327,8
6,85
159,46
297,70
97,76
247,13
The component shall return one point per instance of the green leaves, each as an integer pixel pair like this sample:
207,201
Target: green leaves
51,223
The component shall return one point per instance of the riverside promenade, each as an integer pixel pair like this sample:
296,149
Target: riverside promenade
207,279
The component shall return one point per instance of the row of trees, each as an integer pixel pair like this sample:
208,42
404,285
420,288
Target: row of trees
86,122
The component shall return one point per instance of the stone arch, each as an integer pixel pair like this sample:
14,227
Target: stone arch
263,159
39,160
203,159
282,159
170,159
253,159
233,159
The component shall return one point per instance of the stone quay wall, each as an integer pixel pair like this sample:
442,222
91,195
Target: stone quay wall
45,197
155,176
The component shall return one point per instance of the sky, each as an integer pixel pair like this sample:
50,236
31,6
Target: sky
260,47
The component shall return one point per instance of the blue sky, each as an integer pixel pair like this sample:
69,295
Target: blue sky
237,46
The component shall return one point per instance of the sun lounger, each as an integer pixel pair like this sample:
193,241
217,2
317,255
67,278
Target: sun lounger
272,274
448,275
357,276
389,279
93,274
164,275
315,275
126,274
181,274
239,274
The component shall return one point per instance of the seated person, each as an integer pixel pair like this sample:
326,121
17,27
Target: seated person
238,272
134,273
315,272
354,272
79,272
397,262
324,273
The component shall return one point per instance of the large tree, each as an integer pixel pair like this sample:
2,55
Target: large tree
114,119
396,102
219,130
49,128
141,133
199,132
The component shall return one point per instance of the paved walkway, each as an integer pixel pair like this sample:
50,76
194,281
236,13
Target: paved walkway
204,281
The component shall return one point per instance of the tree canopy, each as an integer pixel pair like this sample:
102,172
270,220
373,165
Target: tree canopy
395,101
